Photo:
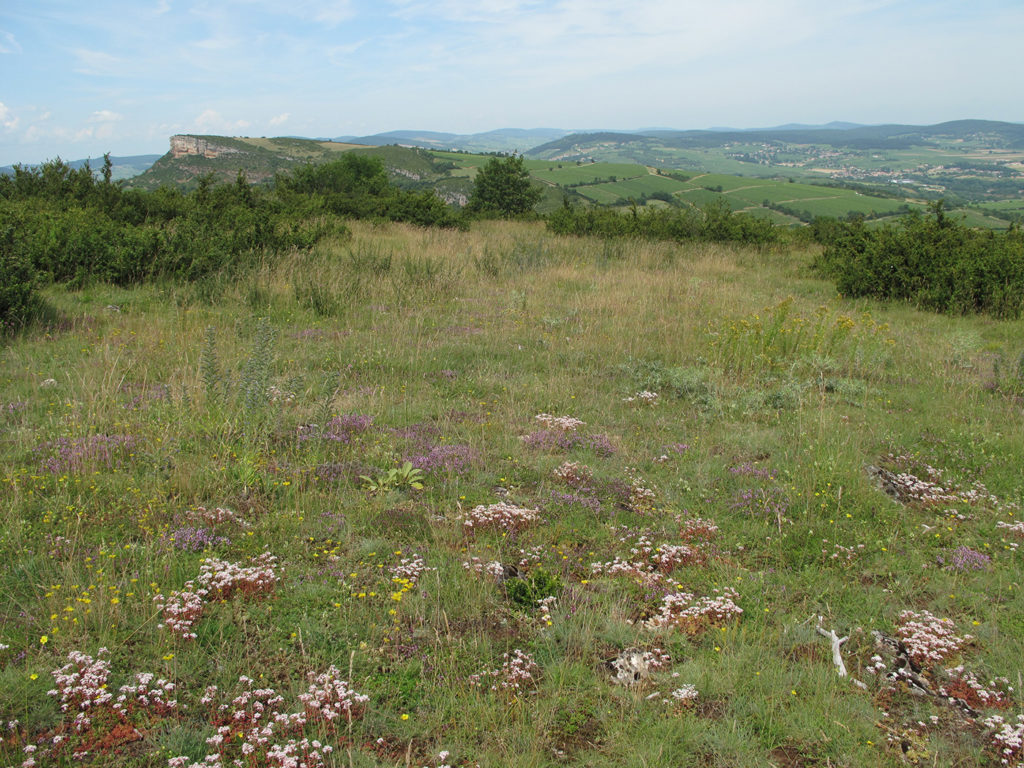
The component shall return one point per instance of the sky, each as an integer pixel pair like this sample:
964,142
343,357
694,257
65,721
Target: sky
78,79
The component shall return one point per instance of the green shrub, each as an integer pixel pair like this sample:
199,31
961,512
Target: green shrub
18,299
717,223
930,260
527,591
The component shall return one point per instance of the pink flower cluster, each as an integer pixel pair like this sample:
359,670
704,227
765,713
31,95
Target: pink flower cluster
964,686
181,610
927,638
82,686
503,515
517,673
841,553
148,694
695,614
574,474
698,528
218,580
222,579
1007,739
649,562
253,728
330,698
642,499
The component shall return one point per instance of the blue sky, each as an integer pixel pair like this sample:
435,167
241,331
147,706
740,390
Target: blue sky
81,78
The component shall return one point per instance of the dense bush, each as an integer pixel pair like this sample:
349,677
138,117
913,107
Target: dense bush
65,225
931,260
17,283
716,223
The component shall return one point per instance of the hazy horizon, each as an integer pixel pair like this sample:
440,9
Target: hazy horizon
123,76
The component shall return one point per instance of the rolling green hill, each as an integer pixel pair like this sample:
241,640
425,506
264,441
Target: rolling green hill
793,197
964,161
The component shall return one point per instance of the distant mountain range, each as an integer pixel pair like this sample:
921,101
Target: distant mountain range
649,146
1007,135
524,140
501,140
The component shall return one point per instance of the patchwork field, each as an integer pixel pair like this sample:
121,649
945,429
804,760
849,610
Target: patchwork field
499,498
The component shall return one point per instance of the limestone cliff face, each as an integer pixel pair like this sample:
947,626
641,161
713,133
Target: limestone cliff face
195,145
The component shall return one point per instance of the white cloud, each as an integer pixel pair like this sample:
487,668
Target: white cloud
8,44
280,119
7,118
211,121
329,12
98,63
105,116
217,43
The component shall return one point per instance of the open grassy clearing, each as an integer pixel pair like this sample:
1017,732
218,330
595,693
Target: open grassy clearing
301,147
140,416
588,173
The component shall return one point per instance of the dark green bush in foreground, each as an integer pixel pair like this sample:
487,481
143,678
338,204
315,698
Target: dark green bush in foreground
930,260
64,225
18,298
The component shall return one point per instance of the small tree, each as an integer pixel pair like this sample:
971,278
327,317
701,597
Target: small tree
503,187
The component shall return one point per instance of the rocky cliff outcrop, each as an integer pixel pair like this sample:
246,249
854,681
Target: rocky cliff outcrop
182,145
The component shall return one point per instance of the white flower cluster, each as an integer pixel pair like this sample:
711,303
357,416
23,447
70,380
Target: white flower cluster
409,569
181,610
493,568
644,398
928,639
697,528
503,515
694,614
220,515
559,423
254,723
641,498
650,563
82,685
669,556
277,395
877,665
517,673
909,488
330,698
1016,529
1007,738
992,694
685,695
546,605
574,474
222,579
218,580
147,693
